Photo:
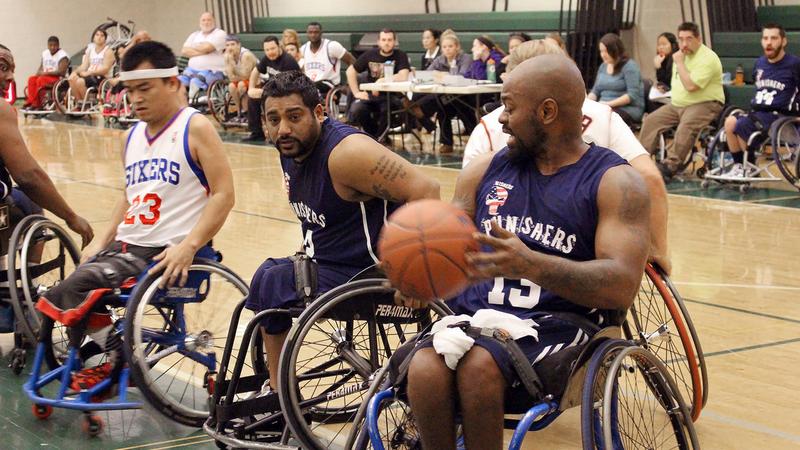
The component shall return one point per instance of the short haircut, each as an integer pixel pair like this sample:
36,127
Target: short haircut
53,39
154,52
389,30
532,49
272,39
775,26
285,84
105,35
314,24
689,26
615,49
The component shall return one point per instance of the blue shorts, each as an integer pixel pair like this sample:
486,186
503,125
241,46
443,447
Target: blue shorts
753,122
273,286
555,335
25,204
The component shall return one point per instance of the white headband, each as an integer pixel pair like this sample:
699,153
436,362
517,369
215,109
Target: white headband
148,73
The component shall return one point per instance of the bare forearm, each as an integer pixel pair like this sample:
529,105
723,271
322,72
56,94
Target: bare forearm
599,283
658,216
212,219
352,80
685,77
620,101
190,52
39,187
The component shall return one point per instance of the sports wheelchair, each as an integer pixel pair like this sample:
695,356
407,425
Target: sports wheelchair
221,103
783,139
116,108
49,96
335,349
167,335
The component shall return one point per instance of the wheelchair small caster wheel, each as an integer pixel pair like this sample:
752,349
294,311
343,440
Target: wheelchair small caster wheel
743,188
42,412
220,445
17,361
701,172
208,381
92,424
705,184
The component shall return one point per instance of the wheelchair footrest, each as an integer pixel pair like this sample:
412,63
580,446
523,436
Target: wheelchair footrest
249,383
247,408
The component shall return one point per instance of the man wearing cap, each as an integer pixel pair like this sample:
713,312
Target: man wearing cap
178,193
204,49
239,62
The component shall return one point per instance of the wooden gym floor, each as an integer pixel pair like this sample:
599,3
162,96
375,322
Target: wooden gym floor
737,263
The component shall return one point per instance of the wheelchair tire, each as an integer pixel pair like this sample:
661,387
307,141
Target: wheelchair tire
58,260
786,149
219,101
158,330
336,102
655,319
61,93
350,381
638,385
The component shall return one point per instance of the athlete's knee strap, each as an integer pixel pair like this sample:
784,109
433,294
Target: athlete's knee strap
305,276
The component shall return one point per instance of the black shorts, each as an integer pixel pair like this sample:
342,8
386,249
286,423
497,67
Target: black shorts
93,81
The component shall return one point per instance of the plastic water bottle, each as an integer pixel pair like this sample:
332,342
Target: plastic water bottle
388,71
739,79
491,71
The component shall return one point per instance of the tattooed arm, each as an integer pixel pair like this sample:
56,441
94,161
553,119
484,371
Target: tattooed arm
361,169
621,247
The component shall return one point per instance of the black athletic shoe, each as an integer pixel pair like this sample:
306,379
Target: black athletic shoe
666,173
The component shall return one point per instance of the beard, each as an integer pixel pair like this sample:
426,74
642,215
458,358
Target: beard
525,151
290,147
774,52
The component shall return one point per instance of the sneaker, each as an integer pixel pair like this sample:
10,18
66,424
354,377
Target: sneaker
666,172
90,377
736,171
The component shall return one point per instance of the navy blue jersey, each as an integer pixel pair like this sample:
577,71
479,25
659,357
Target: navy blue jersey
777,85
554,214
335,231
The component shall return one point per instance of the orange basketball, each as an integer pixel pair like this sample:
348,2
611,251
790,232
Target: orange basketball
422,249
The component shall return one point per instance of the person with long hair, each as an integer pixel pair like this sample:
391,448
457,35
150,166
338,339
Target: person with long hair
666,45
430,42
619,80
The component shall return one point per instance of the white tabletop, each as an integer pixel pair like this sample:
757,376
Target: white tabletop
407,86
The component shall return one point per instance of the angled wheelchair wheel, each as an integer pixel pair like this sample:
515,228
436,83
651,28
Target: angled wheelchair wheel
337,101
641,406
61,94
220,101
658,320
333,352
173,337
786,149
42,257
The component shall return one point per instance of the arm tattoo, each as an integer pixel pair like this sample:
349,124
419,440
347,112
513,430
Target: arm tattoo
380,191
388,169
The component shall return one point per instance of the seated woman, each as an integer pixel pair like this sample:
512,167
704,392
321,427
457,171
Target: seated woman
514,39
485,53
666,45
619,81
293,50
454,61
430,42
98,60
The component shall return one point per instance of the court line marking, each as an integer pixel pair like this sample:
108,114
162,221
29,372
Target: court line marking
751,347
735,285
742,310
184,444
203,436
785,197
752,426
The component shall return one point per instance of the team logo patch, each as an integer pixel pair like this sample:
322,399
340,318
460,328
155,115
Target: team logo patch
497,196
759,73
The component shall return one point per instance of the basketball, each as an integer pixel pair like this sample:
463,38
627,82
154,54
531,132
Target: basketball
422,249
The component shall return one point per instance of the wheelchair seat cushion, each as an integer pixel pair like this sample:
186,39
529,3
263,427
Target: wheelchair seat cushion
559,344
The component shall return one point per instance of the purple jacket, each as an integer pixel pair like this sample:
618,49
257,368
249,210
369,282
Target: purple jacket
477,71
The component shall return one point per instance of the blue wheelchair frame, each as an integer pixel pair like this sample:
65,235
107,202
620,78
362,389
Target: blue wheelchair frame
194,291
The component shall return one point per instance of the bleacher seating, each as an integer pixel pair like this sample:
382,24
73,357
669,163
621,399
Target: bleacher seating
787,15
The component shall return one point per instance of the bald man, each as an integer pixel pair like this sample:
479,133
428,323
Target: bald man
204,48
566,229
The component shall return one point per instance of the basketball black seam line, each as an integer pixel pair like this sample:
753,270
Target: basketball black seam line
447,257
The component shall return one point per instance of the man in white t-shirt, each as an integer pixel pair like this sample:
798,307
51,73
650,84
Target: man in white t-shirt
54,65
322,59
204,48
602,126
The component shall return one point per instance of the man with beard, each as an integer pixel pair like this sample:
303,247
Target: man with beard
697,99
777,78
18,164
341,185
568,241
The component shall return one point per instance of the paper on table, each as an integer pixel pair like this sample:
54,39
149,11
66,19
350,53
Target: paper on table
655,94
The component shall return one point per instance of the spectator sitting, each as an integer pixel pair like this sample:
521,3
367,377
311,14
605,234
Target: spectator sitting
697,99
619,81
204,49
98,60
239,64
430,42
54,65
452,60
369,110
666,45
514,39
484,50
555,37
777,79
290,36
322,59
275,61
293,50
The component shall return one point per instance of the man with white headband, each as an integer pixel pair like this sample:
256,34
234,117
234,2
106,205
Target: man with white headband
178,193
17,163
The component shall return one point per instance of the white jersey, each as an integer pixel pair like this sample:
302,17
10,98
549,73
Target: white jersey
165,188
96,59
601,125
50,62
210,61
326,63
